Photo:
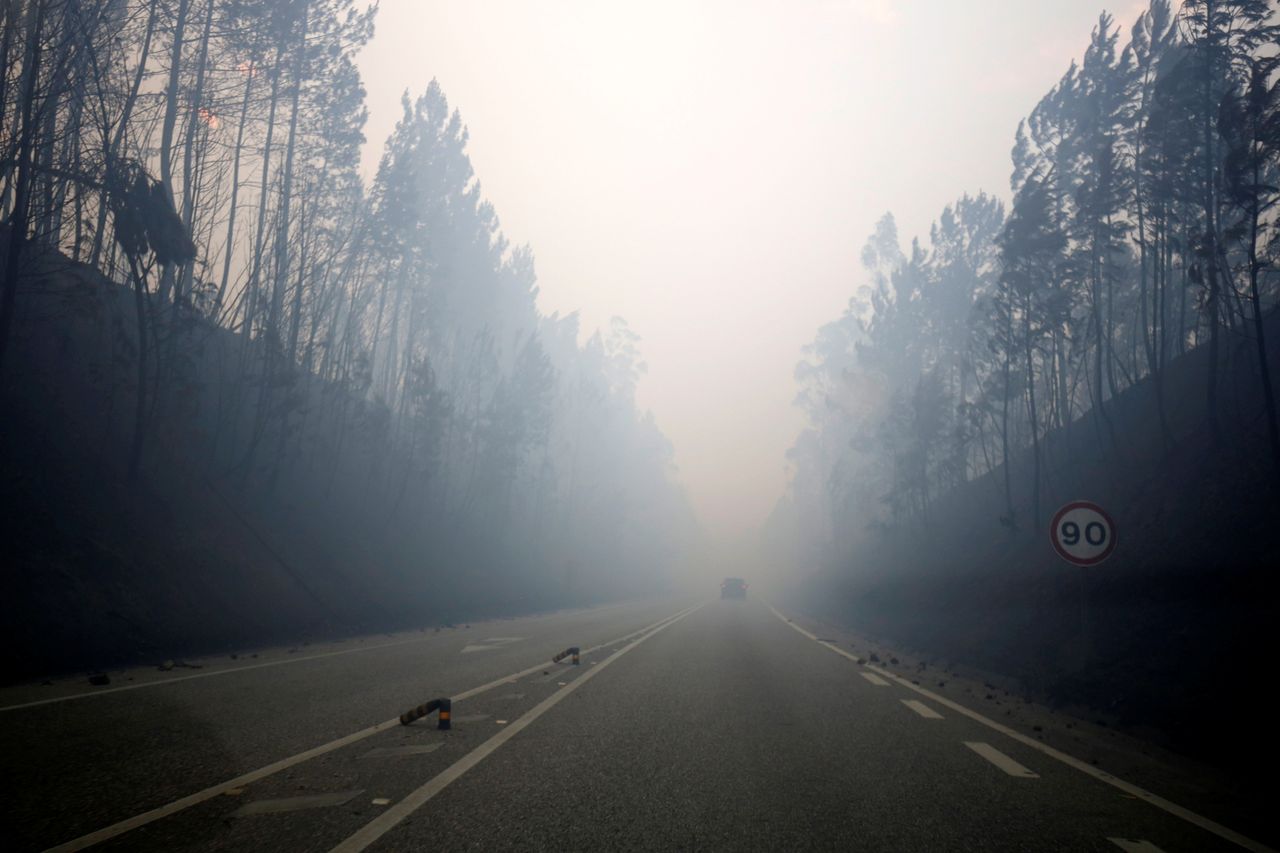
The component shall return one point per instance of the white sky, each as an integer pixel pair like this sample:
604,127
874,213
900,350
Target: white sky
709,171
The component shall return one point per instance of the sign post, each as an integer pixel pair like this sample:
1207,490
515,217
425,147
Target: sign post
1084,535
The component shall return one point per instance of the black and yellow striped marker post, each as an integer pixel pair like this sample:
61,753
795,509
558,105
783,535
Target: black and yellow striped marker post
444,706
572,650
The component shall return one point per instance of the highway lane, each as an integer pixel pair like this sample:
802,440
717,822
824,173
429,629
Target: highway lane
73,766
723,728
732,731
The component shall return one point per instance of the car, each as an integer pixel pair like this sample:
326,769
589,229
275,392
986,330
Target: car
733,588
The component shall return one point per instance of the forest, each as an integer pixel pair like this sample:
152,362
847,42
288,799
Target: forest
202,292
1142,227
301,446
1111,336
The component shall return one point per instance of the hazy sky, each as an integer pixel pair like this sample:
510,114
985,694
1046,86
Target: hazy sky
709,171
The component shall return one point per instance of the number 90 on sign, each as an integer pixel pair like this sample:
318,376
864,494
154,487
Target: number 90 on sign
1083,533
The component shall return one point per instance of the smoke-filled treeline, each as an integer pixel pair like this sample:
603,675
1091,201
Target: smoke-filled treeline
1142,226
373,349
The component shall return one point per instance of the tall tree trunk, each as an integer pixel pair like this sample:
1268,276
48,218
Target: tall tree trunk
255,269
1109,333
1101,420
1259,328
1183,281
140,399
189,169
1006,392
281,277
10,24
171,107
34,27
235,193
42,216
1210,244
1031,414
117,137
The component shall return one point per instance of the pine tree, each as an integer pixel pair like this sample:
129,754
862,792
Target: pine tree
1249,122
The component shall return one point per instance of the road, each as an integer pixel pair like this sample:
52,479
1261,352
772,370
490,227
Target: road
689,725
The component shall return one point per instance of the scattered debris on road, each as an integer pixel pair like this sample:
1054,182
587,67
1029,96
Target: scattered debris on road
443,706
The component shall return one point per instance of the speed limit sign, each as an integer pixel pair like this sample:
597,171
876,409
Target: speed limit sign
1082,533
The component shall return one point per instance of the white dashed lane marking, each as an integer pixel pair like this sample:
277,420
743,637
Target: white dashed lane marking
1171,808
139,820
388,820
874,679
922,709
1133,845
999,759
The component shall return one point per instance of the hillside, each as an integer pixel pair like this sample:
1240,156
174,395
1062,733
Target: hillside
202,553
1155,638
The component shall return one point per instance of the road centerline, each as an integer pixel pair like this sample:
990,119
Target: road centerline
391,818
121,827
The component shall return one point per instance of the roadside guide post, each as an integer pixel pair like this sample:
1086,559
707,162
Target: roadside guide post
1084,535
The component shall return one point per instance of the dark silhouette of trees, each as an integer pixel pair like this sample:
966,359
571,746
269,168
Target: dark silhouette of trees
373,349
1143,226
1249,122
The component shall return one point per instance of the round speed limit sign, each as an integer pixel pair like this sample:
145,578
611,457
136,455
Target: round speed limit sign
1083,533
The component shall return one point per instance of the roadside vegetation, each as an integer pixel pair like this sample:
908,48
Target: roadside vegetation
1109,336
221,346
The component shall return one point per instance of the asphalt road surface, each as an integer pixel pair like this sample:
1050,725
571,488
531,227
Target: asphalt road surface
688,725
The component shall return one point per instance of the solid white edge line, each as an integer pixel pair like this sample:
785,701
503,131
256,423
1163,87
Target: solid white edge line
89,694
1102,776
1002,761
121,827
392,817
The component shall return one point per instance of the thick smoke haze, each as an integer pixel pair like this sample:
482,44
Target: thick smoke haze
709,171
870,386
